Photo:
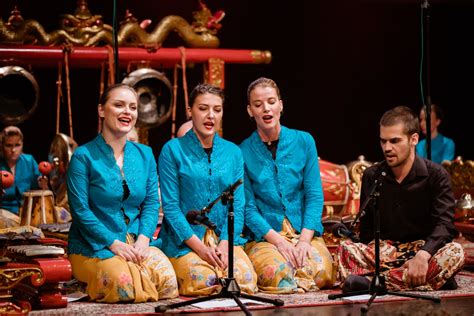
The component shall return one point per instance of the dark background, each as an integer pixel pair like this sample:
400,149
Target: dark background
339,65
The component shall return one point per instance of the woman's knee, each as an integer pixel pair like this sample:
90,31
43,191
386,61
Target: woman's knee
195,276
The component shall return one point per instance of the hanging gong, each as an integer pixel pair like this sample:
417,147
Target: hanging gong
19,95
155,97
60,152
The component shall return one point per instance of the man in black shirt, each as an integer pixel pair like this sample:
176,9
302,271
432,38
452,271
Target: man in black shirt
416,208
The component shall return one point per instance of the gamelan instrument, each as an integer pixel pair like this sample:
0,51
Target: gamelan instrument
32,269
341,187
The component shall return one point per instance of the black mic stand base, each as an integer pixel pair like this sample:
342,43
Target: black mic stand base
230,289
377,287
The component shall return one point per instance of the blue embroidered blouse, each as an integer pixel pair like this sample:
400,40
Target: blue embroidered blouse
26,178
190,180
96,192
289,186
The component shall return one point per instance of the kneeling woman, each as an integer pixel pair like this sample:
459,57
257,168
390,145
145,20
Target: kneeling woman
113,196
284,199
194,170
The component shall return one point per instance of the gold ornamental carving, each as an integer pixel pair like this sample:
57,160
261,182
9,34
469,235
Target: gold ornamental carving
86,29
461,172
261,57
215,72
10,277
8,308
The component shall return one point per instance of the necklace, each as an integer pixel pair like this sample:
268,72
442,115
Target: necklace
269,140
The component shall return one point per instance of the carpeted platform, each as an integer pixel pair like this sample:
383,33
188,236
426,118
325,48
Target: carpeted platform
465,280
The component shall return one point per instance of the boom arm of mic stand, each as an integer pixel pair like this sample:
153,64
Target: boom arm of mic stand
207,209
372,194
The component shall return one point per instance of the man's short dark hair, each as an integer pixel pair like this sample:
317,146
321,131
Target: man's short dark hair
402,114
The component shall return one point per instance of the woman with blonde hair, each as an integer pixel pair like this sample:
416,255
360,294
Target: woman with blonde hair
24,169
284,199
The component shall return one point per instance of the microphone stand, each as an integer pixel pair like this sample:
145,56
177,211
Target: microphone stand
425,10
377,286
378,182
230,287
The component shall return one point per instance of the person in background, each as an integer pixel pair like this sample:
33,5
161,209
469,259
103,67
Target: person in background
184,128
194,170
113,196
284,200
24,169
416,206
442,147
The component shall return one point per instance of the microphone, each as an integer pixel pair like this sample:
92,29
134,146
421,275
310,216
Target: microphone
195,217
373,191
382,170
340,230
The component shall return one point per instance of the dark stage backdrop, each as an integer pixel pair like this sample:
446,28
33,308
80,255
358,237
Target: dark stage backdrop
339,64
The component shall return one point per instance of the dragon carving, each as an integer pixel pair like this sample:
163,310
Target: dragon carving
84,29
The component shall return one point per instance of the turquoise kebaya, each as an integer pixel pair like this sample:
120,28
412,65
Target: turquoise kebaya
101,213
190,180
26,178
442,148
289,186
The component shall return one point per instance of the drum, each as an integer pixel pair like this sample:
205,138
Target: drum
335,181
336,190
37,208
341,187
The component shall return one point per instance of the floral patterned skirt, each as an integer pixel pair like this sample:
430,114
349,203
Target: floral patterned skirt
196,277
276,275
117,280
359,259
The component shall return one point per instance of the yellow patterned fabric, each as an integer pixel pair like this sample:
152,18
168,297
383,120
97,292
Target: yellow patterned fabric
117,280
277,276
196,277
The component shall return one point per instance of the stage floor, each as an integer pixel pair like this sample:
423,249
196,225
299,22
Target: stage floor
454,302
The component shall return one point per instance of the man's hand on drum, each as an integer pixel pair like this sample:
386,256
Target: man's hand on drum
126,251
43,182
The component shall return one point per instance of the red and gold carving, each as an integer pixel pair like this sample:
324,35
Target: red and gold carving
215,72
